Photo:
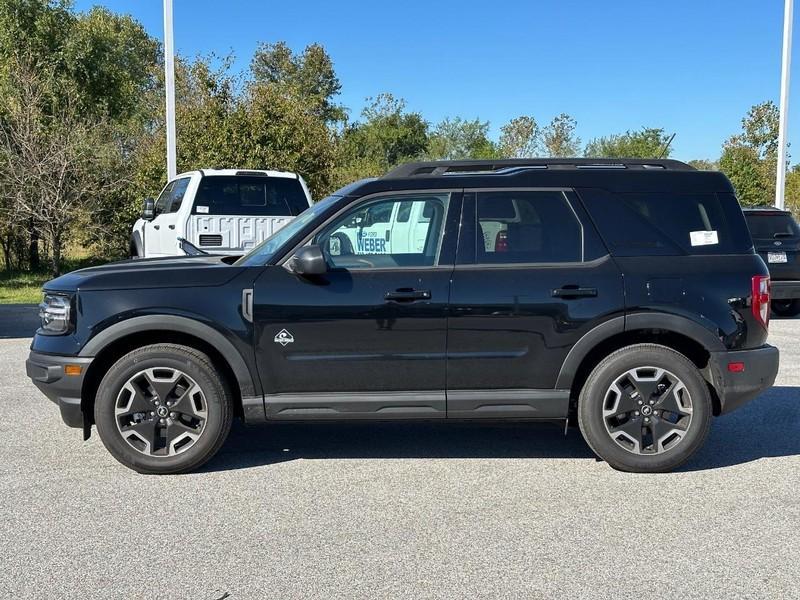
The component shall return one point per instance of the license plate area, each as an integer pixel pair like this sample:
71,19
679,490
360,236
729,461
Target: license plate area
776,257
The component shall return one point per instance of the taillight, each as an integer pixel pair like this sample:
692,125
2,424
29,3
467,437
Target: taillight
761,299
501,242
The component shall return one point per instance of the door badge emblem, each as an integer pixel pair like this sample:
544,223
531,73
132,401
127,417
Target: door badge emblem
283,337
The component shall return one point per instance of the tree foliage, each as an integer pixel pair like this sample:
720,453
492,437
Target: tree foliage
386,135
309,75
750,158
559,138
457,138
520,138
55,164
649,142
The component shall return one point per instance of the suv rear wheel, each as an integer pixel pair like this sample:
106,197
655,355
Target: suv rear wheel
163,409
786,308
645,409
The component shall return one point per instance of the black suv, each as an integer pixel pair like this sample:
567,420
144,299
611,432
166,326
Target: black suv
776,236
623,295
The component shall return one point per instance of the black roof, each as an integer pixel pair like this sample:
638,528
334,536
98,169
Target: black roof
447,167
613,175
765,210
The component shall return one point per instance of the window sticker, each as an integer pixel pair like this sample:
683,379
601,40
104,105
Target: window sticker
704,238
202,210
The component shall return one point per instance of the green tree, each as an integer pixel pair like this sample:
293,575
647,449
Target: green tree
559,138
519,138
386,136
750,158
55,164
649,142
792,198
100,65
309,75
743,167
703,164
454,139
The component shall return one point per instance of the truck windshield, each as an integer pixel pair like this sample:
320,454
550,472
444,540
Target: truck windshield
261,254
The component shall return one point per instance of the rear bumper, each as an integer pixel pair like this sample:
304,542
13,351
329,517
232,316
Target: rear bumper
784,290
47,373
737,389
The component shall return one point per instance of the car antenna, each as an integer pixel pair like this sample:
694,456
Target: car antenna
666,146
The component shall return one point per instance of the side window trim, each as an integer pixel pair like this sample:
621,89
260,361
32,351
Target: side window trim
467,249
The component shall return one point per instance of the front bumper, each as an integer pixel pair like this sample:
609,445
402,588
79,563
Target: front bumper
784,290
47,373
737,388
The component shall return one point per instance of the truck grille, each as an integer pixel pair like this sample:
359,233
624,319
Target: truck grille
211,240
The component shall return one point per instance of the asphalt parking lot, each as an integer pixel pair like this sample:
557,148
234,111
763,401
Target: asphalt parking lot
416,511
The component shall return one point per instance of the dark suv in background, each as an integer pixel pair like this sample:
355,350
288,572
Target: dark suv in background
776,236
623,294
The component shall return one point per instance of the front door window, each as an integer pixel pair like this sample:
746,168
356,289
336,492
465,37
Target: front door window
387,233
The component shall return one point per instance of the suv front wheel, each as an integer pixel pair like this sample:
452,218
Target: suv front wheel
163,409
645,408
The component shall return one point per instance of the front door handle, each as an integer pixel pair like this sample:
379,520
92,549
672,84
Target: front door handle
407,295
156,226
573,291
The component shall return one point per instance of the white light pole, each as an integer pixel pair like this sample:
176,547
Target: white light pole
169,79
784,118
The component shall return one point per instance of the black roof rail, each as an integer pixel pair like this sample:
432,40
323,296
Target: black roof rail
502,166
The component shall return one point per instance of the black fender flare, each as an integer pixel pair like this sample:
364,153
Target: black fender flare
177,324
632,322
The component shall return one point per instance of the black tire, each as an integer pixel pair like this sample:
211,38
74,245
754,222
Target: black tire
786,308
211,396
133,250
598,395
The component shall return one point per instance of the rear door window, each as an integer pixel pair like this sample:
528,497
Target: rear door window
256,196
526,227
668,224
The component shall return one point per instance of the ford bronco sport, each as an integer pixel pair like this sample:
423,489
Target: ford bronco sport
624,295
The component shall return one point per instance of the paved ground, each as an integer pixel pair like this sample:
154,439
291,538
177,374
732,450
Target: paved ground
417,511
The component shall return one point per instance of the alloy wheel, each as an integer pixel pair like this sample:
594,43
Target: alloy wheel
161,412
647,410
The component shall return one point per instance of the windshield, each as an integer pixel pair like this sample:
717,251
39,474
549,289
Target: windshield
772,226
262,253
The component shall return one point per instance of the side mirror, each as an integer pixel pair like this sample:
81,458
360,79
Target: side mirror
149,209
309,260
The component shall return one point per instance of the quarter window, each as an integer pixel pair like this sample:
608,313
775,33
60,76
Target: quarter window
526,227
386,233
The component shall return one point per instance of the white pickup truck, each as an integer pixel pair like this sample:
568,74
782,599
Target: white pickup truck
220,211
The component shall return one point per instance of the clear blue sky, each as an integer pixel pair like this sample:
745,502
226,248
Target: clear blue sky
691,66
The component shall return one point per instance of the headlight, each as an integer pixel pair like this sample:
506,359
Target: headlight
54,313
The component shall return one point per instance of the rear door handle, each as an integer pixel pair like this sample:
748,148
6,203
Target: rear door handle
573,291
171,226
407,295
